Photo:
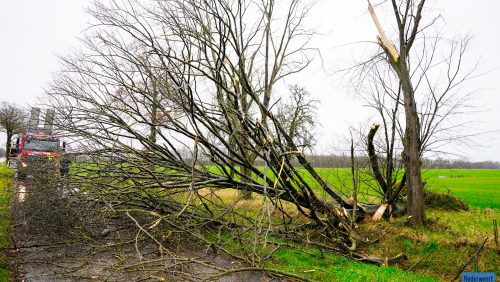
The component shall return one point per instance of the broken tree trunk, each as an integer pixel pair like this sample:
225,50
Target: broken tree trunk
411,140
374,159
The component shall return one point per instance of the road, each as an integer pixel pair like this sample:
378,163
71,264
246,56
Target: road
54,244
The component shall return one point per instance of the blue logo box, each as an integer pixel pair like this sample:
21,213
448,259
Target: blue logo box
478,277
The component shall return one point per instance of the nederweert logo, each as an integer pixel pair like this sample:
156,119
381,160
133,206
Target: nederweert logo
478,277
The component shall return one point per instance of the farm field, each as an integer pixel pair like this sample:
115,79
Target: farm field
478,188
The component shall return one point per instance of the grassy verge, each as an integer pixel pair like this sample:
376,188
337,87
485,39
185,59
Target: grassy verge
6,178
317,266
435,252
310,262
441,247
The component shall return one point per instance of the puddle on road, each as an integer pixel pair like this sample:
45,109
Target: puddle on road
21,193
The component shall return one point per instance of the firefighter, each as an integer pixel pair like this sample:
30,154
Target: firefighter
65,163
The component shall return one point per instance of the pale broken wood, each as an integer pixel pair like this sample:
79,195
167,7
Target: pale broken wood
382,39
384,261
380,211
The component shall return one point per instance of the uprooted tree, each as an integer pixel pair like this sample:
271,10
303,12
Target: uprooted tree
173,100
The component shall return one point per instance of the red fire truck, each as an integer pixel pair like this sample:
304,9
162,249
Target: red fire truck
36,151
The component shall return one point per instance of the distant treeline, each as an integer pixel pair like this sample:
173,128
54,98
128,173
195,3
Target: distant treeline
335,161
459,164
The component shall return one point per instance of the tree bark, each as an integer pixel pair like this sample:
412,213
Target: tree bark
154,115
411,154
354,184
374,160
7,146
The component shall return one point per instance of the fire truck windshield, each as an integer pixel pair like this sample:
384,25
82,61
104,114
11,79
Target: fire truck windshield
41,145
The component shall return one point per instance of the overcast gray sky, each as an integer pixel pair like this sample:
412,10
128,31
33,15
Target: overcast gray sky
34,32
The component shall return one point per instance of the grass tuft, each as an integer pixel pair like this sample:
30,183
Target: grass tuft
6,180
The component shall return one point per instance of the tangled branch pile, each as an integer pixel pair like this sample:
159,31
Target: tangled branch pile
171,101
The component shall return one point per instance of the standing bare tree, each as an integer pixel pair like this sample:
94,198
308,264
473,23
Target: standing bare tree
422,82
12,120
440,106
408,15
298,117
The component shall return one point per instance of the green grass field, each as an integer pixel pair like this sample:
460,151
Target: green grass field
436,250
478,188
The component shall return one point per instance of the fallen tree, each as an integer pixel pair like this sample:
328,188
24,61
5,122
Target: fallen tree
172,101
